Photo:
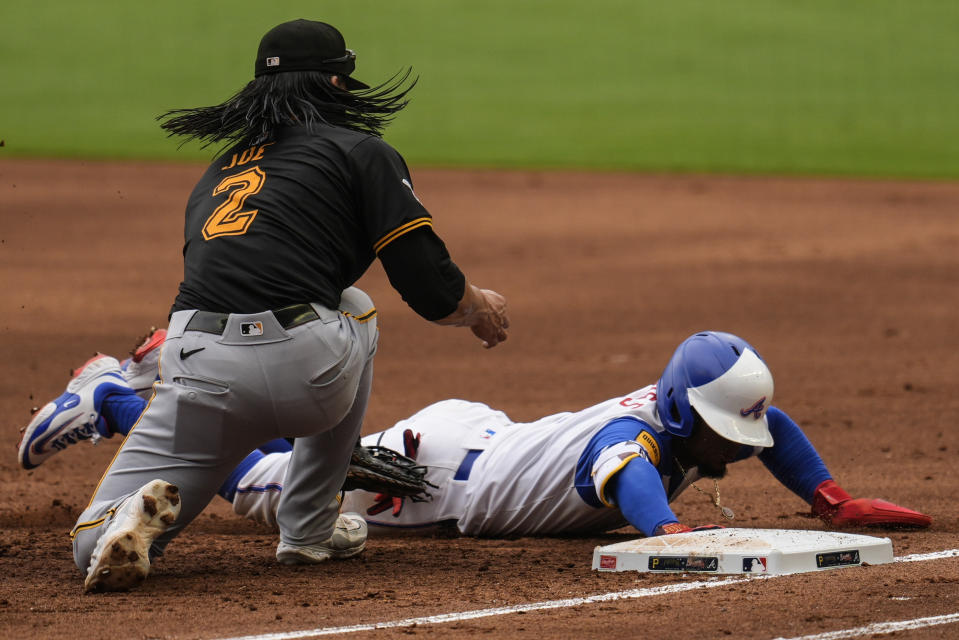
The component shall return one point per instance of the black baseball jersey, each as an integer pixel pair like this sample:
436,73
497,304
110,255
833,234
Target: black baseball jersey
298,219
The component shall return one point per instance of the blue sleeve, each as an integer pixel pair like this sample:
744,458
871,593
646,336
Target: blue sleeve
792,458
619,430
639,494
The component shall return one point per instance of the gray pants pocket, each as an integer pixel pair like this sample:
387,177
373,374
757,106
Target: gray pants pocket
210,386
200,406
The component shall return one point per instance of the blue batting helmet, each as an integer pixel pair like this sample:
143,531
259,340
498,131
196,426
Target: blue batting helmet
722,378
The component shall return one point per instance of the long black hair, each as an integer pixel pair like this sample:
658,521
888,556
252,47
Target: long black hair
306,98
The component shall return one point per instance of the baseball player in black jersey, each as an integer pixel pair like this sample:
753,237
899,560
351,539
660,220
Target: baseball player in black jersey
266,328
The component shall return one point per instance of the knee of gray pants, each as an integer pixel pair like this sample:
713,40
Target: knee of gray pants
83,545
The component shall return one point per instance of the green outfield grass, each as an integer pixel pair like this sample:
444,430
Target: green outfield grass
866,87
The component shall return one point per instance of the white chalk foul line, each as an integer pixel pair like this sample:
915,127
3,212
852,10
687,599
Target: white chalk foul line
573,602
881,627
500,611
922,557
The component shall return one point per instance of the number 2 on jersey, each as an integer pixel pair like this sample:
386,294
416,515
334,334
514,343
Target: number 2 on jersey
230,219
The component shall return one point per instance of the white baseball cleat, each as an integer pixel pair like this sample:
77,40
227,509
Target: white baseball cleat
121,559
75,415
142,368
348,540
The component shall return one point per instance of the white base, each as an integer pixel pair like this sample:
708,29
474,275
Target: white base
752,551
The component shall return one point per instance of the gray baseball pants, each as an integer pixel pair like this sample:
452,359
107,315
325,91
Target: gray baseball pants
221,396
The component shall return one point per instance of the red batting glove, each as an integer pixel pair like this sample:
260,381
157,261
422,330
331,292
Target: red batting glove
411,443
382,501
675,527
838,508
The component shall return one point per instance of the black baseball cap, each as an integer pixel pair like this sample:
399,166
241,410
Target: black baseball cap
306,45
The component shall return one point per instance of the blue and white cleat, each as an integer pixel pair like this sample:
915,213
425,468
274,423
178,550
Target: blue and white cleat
142,369
75,415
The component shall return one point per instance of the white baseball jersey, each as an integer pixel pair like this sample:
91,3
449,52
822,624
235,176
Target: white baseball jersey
523,483
495,477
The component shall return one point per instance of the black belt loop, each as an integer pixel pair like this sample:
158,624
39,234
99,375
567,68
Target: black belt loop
208,321
295,315
288,317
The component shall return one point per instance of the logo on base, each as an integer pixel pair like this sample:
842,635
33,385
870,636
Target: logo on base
607,562
754,565
837,559
683,563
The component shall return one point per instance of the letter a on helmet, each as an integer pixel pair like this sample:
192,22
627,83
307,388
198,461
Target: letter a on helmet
722,378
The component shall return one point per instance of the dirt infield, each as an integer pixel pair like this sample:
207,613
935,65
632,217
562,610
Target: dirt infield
849,289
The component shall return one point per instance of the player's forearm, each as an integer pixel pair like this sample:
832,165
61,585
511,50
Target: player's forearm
637,491
467,309
792,459
421,270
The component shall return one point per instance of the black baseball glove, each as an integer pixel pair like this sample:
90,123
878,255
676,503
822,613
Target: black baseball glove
385,471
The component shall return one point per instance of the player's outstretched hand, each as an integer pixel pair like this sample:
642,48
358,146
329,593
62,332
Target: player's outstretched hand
838,508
